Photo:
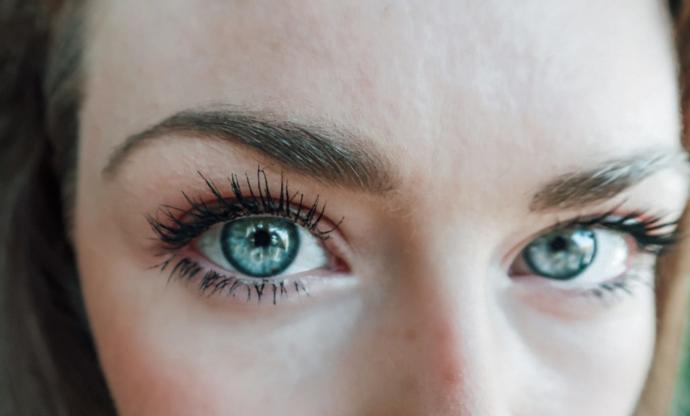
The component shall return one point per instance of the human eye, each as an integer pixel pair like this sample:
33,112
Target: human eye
597,255
251,245
262,246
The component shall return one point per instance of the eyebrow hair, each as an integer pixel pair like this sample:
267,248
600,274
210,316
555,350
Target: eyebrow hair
331,154
581,188
337,156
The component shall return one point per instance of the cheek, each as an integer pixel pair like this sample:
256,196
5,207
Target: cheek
142,355
598,364
151,363
167,351
145,380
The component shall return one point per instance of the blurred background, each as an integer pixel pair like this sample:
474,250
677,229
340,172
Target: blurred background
682,401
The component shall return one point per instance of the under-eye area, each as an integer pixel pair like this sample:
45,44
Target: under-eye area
249,242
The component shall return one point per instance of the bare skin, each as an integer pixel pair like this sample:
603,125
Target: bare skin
471,107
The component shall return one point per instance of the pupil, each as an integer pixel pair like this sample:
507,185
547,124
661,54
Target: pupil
562,254
558,244
262,238
260,246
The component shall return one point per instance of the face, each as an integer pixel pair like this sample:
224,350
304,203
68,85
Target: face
409,208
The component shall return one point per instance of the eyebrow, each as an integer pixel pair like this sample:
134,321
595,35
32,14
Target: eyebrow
326,153
603,182
338,156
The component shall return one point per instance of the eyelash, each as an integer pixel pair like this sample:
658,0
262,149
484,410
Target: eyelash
644,228
177,231
213,282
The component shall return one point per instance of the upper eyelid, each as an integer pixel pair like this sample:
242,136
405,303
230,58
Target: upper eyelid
617,210
606,219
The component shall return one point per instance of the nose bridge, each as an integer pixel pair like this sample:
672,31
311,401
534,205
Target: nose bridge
451,313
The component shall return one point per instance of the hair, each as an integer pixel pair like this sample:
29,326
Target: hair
48,354
46,348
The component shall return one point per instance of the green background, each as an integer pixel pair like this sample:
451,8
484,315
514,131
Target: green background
682,401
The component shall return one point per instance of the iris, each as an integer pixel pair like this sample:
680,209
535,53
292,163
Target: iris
260,246
561,254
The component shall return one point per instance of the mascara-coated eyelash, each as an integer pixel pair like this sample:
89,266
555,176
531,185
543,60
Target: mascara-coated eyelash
213,282
176,231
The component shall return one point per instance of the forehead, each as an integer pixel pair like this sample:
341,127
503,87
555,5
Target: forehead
433,82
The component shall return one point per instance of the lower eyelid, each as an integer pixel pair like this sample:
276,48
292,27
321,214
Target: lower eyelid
640,273
587,303
192,268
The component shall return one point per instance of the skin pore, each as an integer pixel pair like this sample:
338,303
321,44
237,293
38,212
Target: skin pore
466,110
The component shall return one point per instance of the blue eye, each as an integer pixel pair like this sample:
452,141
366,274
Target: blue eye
562,254
260,247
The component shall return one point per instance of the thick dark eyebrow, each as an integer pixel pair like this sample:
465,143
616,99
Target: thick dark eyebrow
329,154
603,182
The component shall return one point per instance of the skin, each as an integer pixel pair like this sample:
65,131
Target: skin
475,105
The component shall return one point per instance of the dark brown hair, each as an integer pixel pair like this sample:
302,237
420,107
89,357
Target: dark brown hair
48,363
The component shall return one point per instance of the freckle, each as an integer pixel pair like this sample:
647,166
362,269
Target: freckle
411,334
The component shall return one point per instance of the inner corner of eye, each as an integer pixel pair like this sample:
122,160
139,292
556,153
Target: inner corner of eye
518,266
